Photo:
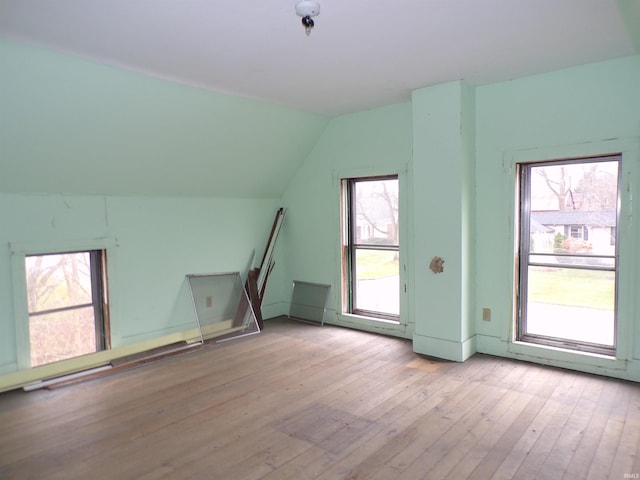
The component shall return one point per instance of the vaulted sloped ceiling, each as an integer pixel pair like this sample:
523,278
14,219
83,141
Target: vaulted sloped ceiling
74,126
98,96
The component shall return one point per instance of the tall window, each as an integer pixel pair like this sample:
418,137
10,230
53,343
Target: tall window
371,274
568,257
67,305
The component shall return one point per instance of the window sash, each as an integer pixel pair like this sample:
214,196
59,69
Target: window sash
564,260
352,247
98,303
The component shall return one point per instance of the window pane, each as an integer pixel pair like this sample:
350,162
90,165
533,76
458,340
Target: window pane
573,208
571,303
568,253
376,212
377,282
62,335
55,281
65,305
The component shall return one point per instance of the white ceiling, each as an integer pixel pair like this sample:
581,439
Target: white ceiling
360,55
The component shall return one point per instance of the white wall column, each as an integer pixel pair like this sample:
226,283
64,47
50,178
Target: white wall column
443,219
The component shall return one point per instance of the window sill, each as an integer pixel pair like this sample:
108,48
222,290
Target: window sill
354,317
556,356
372,324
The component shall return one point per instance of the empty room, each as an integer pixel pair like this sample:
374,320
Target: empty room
323,239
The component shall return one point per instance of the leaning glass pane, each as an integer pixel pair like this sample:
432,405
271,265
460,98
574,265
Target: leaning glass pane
377,282
222,307
376,212
572,304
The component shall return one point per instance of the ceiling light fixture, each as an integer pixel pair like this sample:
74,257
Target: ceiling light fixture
307,9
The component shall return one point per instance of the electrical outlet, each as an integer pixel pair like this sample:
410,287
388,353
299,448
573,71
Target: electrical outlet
209,302
486,314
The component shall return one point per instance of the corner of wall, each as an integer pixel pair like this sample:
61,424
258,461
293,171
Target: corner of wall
445,349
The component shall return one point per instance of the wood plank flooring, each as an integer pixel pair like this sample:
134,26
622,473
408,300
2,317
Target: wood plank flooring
304,402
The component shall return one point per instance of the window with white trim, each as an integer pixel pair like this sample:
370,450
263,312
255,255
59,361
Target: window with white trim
67,305
568,257
370,247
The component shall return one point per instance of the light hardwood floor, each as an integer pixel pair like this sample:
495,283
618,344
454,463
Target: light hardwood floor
304,402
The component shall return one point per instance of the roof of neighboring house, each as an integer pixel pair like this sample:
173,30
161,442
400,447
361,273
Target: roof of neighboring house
537,227
576,217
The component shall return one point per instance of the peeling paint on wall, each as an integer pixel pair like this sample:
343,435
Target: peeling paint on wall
437,265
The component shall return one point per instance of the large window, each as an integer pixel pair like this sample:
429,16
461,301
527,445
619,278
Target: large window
568,257
67,305
371,273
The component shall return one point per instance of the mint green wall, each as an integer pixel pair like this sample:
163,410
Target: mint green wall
152,242
72,126
162,239
179,180
461,144
588,110
365,143
443,139
173,179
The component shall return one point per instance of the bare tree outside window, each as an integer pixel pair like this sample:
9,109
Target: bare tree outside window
579,187
377,204
64,295
372,250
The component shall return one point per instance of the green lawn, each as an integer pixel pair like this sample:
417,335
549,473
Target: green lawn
564,286
376,264
558,286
